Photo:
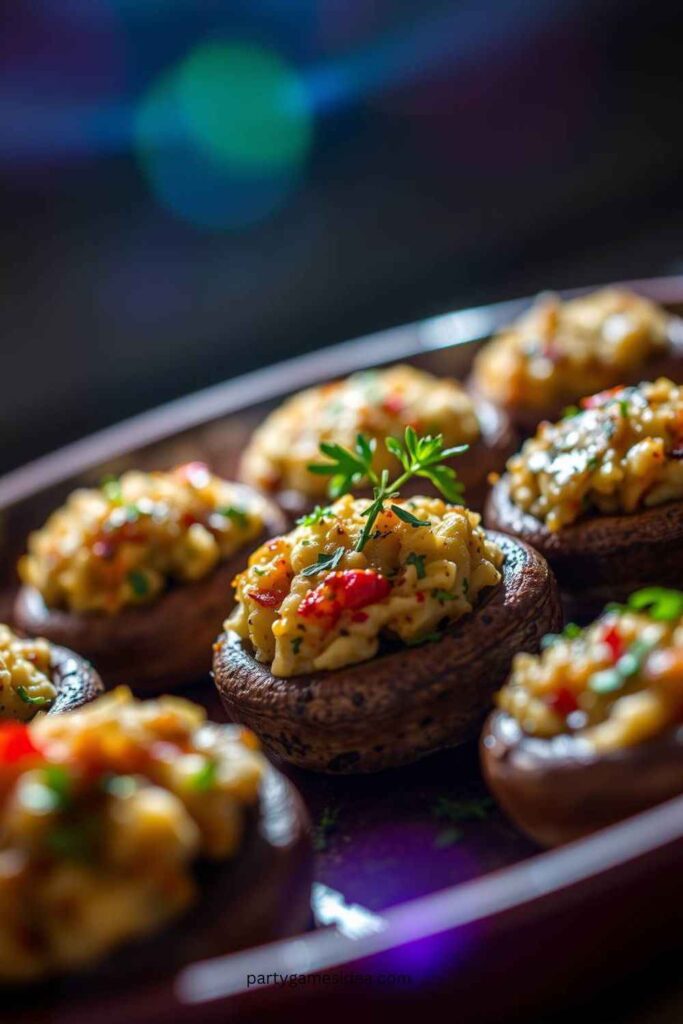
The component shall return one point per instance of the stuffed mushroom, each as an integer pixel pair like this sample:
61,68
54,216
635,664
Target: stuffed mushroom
376,403
589,731
126,819
346,656
37,676
560,350
135,574
600,493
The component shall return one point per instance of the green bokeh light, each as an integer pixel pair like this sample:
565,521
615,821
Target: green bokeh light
245,106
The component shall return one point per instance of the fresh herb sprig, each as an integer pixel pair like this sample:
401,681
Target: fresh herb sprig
419,457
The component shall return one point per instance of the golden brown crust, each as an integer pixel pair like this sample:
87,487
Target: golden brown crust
600,558
149,647
407,702
556,792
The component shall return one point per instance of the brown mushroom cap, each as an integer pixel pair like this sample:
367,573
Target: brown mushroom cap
603,557
557,790
262,895
74,678
669,364
488,454
405,703
149,647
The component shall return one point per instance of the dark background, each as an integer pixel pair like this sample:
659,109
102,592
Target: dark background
362,164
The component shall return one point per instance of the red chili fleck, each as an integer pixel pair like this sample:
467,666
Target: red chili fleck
392,404
15,743
267,598
359,617
601,398
563,702
614,641
348,589
420,596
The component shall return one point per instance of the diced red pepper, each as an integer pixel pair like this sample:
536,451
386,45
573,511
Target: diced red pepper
341,591
563,702
614,641
15,743
267,598
601,398
393,404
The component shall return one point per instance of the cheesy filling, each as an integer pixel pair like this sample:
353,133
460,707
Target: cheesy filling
406,582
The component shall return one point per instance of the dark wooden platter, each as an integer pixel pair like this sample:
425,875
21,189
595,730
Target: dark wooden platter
428,892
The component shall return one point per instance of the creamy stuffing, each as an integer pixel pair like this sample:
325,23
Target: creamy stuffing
616,683
25,676
559,350
622,452
126,542
406,583
376,403
103,813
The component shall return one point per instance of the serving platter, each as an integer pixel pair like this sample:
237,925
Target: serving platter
423,890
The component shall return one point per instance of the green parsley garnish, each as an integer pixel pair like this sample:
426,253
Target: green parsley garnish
236,515
325,827
316,516
205,777
111,488
325,563
408,517
466,809
570,412
419,562
570,632
443,595
609,680
296,643
419,457
660,603
623,408
37,702
429,638
139,583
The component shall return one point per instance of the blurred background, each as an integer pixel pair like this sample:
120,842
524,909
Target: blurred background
195,188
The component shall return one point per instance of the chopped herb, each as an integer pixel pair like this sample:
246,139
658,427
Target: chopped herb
325,563
443,595
139,582
236,515
623,407
37,702
570,412
408,517
660,603
119,785
325,827
259,571
593,462
296,643
419,562
111,488
430,638
58,780
316,516
466,809
610,680
448,837
570,632
205,777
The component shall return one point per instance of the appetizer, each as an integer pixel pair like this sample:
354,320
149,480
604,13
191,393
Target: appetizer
135,574
35,675
600,493
378,404
559,351
377,630
122,817
589,731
